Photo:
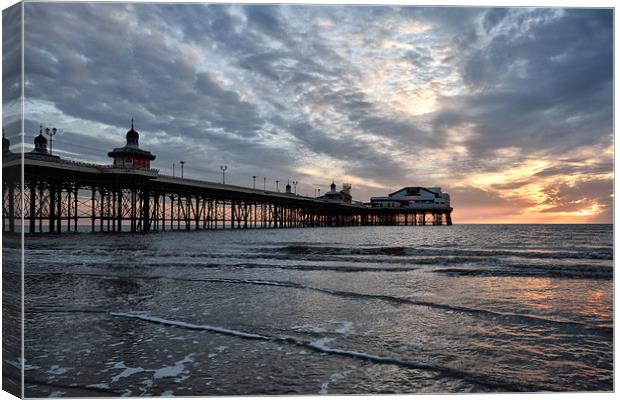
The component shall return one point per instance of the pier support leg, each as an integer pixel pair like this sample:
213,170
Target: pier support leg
75,209
59,211
33,199
92,210
52,210
146,211
11,208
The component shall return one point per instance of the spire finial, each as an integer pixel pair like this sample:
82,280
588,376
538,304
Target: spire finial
40,129
131,122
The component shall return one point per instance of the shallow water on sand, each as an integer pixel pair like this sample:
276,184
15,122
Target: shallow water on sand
322,310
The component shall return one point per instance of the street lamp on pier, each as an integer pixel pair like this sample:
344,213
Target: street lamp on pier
264,183
51,133
295,186
223,168
277,186
254,182
182,163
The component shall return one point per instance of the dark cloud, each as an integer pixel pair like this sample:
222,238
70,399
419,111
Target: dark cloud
580,196
544,87
577,169
493,17
11,70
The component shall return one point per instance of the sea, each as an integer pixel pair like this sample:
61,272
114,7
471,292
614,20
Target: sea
352,310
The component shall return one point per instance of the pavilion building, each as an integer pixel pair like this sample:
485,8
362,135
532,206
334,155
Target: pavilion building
131,155
339,196
415,197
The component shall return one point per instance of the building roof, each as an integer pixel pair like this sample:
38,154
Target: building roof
415,187
40,140
128,150
131,148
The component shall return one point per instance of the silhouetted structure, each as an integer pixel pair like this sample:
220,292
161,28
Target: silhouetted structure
130,155
61,195
342,196
6,144
40,146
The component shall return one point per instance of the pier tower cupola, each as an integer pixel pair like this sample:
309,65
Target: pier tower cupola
288,187
40,146
333,186
131,155
132,137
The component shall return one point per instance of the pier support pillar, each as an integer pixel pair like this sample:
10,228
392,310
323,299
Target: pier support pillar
146,211
52,209
33,199
11,208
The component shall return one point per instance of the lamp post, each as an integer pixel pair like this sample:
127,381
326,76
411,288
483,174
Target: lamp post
264,183
182,163
223,168
254,182
51,133
173,170
319,190
295,186
277,186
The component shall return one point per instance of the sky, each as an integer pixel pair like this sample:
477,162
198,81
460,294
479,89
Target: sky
509,110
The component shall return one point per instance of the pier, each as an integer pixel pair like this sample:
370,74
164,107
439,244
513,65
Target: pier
61,195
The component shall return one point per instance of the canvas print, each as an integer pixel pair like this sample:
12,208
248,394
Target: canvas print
244,199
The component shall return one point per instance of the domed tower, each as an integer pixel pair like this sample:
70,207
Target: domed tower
132,137
288,187
131,156
333,186
40,145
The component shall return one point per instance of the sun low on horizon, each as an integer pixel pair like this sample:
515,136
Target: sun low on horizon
509,110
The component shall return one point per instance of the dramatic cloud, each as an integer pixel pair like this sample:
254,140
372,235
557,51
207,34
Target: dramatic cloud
510,110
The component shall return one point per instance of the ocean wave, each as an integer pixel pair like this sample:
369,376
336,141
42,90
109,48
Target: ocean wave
592,254
512,317
250,266
320,346
531,271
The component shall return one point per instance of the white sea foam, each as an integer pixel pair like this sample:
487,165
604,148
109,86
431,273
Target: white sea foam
128,371
181,324
58,370
99,386
18,364
333,378
308,328
346,327
173,371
